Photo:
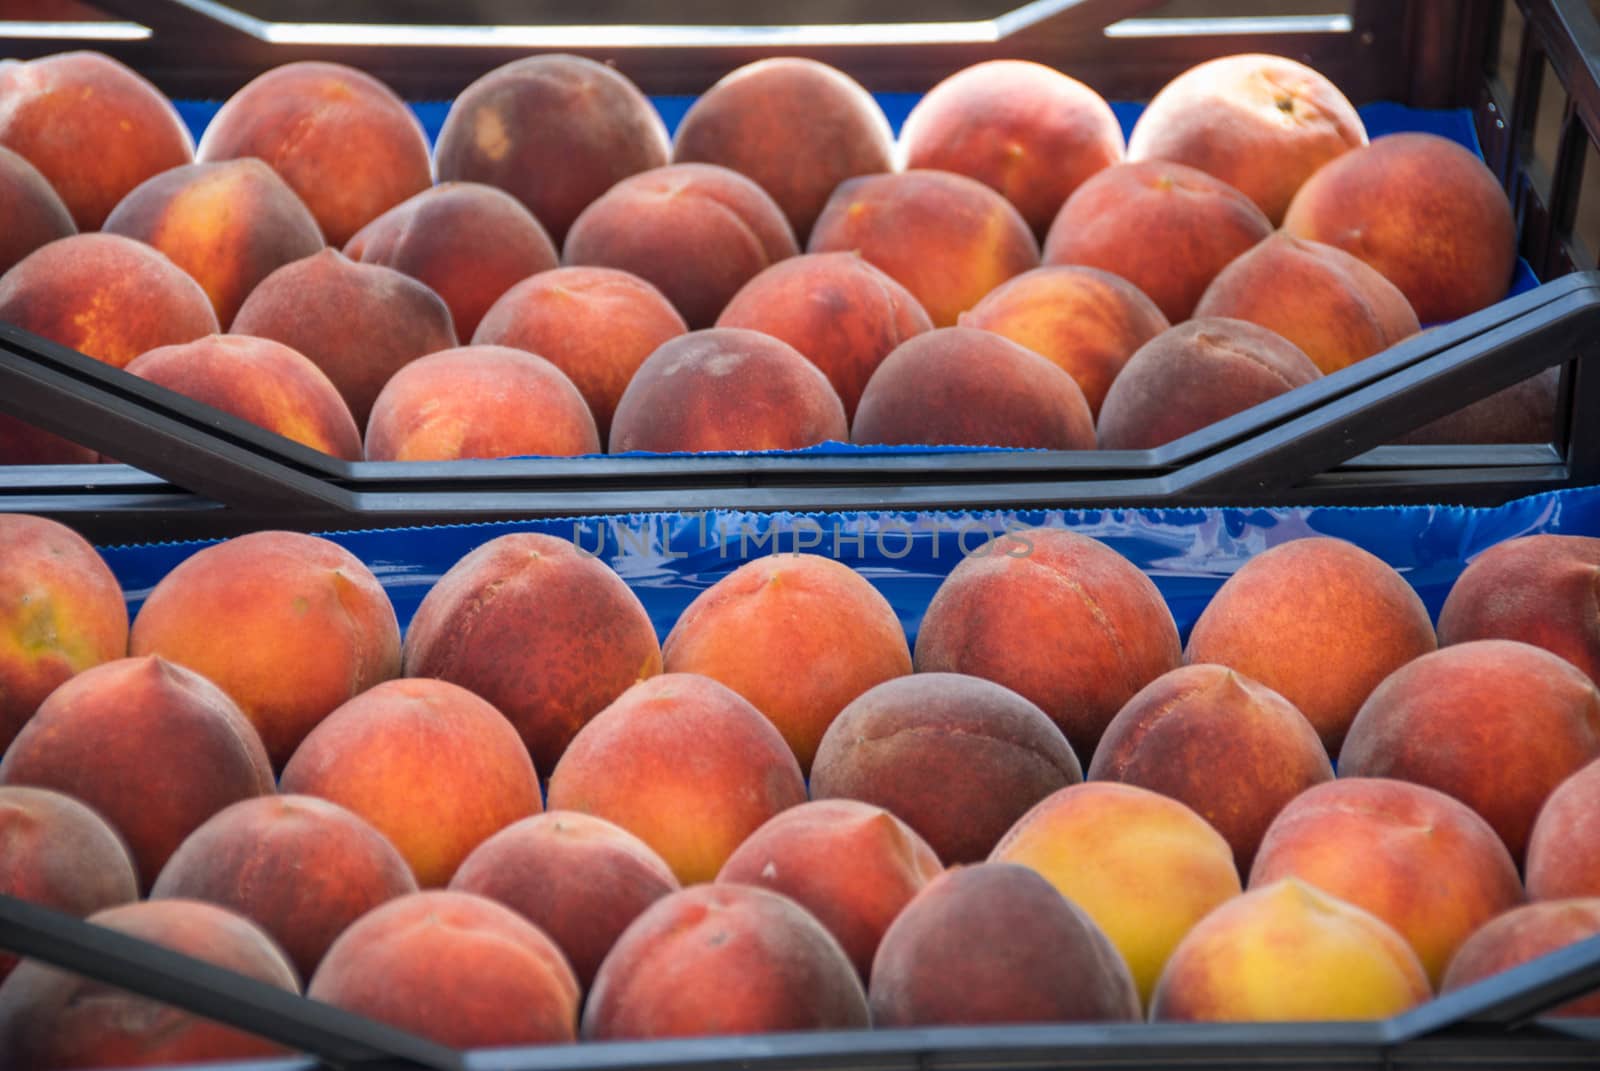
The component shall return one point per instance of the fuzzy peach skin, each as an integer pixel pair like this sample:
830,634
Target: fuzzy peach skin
51,1018
301,868
1331,305
1230,748
1085,321
1056,616
1525,934
751,627
1143,866
1027,131
726,388
545,632
289,625
1319,621
945,237
696,232
684,764
962,386
1287,952
1262,124
1534,721
340,138
92,126
1166,228
841,313
1424,211
505,128
853,866
580,879
957,758
261,381
429,765
154,748
456,968
1419,860
468,242
796,126
595,324
723,960
228,224
479,401
1564,848
61,611
32,214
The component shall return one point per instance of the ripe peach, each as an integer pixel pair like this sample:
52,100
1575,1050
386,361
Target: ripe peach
1525,934
1319,621
963,386
724,959
289,625
155,748
548,634
1564,847
32,214
795,126
1521,413
697,232
1058,617
301,868
686,765
340,138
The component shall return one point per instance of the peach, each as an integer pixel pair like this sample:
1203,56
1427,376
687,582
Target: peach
1538,589
1564,847
1233,750
947,238
1319,621
1417,859
1424,211
301,868
1521,413
1025,130
957,758
796,126
93,127
57,852
1534,721
1056,616
32,214
260,381
1085,321
996,943
1143,866
508,126
340,138
1166,228
61,611
456,968
431,766
595,324
228,224
852,865
1262,124
696,232
749,628
1289,952
468,242
1523,935
726,388
289,625
1331,305
51,1018
841,313
545,632
359,323
479,401
684,764
582,880
720,960
155,748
